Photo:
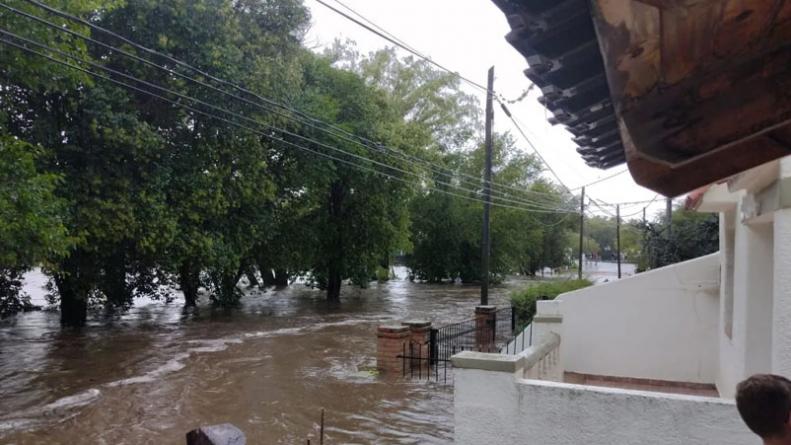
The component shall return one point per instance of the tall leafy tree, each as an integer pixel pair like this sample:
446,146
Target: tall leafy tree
523,241
32,229
357,216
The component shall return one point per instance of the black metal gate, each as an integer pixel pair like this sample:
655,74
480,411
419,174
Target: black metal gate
430,360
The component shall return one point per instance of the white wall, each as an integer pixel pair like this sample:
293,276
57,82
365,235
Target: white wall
496,408
731,352
660,324
748,274
781,321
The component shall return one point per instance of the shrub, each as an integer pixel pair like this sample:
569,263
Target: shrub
524,300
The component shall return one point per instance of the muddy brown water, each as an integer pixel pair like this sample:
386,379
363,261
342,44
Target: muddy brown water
150,375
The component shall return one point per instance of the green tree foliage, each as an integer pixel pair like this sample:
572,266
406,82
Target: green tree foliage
690,235
524,300
357,218
31,219
601,240
118,194
446,230
148,187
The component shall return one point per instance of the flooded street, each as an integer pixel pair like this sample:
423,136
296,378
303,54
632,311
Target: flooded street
269,367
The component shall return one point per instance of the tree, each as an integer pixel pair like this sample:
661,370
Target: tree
31,219
356,216
446,230
220,188
692,235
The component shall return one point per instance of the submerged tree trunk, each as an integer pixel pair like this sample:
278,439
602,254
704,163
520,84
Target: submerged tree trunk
225,282
250,273
189,281
281,277
113,282
73,286
334,269
334,284
73,307
267,276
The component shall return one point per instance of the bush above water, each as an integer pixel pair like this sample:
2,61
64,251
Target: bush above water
524,300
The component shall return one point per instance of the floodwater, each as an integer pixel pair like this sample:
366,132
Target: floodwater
155,372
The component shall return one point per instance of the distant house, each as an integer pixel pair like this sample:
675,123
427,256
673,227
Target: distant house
654,358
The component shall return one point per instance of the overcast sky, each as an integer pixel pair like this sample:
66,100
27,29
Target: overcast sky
468,36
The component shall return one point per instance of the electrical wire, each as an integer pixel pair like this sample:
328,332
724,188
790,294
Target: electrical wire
500,99
401,43
267,135
530,143
600,180
395,41
304,118
182,96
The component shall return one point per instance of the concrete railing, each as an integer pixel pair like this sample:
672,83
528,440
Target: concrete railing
542,362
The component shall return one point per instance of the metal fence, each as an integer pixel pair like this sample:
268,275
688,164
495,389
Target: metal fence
521,341
430,360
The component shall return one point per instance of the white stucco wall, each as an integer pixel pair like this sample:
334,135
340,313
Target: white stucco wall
497,408
781,322
660,324
747,350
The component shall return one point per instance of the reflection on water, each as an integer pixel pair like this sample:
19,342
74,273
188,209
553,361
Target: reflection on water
155,372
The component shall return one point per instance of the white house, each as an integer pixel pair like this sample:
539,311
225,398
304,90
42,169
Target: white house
654,358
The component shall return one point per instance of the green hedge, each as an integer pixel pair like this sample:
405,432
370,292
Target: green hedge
524,300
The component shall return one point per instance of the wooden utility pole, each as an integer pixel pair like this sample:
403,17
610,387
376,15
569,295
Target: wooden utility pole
487,190
669,217
618,236
582,232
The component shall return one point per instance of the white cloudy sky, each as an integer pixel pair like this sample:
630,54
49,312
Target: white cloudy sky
468,36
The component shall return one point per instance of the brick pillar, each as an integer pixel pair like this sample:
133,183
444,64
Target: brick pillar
485,328
418,338
391,341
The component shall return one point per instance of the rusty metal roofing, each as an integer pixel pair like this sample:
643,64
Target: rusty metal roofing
558,40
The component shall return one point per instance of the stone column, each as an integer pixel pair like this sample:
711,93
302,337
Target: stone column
485,327
548,318
418,338
781,313
391,341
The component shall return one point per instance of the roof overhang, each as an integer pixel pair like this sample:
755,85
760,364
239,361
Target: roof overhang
697,90
558,40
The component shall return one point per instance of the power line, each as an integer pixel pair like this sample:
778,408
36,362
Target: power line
265,134
396,41
529,142
625,204
384,31
198,101
600,180
303,118
560,221
501,100
595,203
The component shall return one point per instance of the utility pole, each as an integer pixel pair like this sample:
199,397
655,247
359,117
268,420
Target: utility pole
487,190
618,236
669,217
582,232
